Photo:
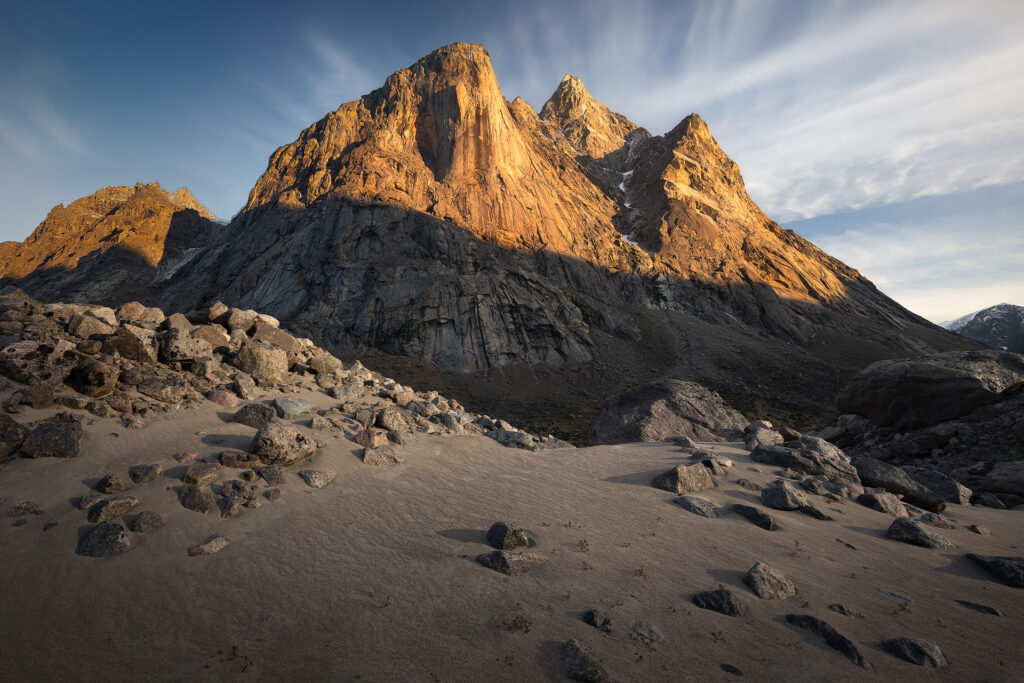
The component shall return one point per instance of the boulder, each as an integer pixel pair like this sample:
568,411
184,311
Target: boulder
754,516
107,538
223,398
768,583
263,362
908,531
202,473
134,343
93,378
722,601
12,435
919,392
254,415
324,364
760,437
244,386
86,327
664,408
782,495
317,479
1009,570
146,522
34,363
178,345
371,437
141,474
1005,477
832,637
684,479
874,472
111,483
510,563
165,389
197,498
580,664
237,319
381,455
883,502
945,488
214,335
279,443
289,408
698,506
504,536
394,419
915,651
108,509
812,456
262,331
60,437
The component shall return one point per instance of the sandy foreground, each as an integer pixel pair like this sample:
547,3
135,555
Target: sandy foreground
373,578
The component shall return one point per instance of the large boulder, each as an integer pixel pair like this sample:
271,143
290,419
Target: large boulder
279,443
12,435
34,363
93,378
179,345
263,362
60,437
134,343
664,408
813,456
684,479
919,392
874,472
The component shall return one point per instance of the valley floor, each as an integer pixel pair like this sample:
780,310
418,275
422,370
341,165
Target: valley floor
373,577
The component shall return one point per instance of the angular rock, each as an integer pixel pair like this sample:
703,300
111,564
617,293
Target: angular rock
393,419
381,455
202,473
106,510
510,563
504,536
197,498
223,397
698,506
684,479
59,438
915,651
598,620
38,397
110,484
272,474
908,531
230,507
213,544
144,473
883,502
835,467
762,437
945,488
106,538
167,390
34,363
12,435
648,632
371,437
721,600
290,408
279,443
134,343
245,386
754,516
1005,477
664,408
510,438
179,345
874,472
768,583
1009,570
254,415
86,327
324,364
977,607
93,378
146,522
317,479
782,495
832,637
214,335
932,519
240,460
263,362
580,664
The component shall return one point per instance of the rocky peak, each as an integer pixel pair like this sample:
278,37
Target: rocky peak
589,126
183,198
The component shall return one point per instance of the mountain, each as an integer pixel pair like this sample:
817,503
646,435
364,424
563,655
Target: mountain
1001,326
533,264
105,246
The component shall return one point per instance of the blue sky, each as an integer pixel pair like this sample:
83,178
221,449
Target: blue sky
889,133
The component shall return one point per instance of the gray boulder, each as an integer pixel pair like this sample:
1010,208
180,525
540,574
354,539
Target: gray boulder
915,651
1009,570
782,495
894,480
883,502
60,437
664,408
684,479
908,531
768,583
698,506
106,538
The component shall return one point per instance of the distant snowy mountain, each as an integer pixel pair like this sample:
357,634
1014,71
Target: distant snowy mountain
1001,326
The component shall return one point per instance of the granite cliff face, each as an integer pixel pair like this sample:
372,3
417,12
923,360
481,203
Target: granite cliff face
105,246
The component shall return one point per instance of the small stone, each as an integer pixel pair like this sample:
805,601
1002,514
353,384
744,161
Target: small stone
684,479
272,494
146,521
1009,570
211,545
721,600
380,456
291,408
272,474
87,501
580,664
698,506
317,479
254,415
915,651
245,387
141,474
186,457
769,583
49,525
935,520
978,607
110,484
598,620
248,475
754,516
645,630
510,563
749,485
106,510
832,637
239,460
730,669
845,611
504,536
908,531
107,538
202,473
197,498
980,530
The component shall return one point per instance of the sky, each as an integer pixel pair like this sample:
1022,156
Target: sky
891,133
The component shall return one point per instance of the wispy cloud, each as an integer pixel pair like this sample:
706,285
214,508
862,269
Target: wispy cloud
31,125
825,106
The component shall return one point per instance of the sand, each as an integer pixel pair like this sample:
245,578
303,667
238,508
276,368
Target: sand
372,578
